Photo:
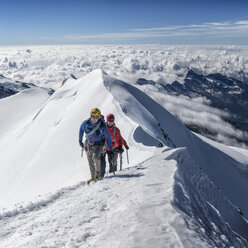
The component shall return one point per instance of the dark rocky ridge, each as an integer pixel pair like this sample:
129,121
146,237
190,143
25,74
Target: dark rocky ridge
225,93
9,88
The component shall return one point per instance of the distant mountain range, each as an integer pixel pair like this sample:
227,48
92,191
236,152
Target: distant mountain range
9,87
224,92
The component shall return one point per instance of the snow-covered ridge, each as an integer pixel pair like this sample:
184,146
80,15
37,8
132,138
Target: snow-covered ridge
44,140
47,157
204,204
148,114
175,206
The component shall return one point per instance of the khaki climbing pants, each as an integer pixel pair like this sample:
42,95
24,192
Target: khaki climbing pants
94,158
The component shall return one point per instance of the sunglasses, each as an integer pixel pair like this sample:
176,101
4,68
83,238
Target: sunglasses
94,116
111,121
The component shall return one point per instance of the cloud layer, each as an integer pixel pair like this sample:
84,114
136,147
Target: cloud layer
198,112
50,65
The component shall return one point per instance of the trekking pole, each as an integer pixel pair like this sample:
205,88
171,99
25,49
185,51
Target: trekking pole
113,167
127,157
111,164
120,161
82,152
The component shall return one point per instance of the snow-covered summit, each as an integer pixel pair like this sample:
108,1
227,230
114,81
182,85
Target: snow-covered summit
45,139
40,152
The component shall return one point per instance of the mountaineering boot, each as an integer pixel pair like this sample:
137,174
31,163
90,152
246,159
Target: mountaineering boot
98,176
91,180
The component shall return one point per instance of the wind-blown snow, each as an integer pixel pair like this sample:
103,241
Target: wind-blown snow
184,197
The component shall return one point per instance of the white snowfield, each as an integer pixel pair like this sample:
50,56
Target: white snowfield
184,194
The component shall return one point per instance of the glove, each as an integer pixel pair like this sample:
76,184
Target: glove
127,147
81,144
120,149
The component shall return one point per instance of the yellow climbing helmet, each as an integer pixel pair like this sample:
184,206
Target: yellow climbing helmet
95,112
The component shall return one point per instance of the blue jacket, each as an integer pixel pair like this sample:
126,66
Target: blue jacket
99,135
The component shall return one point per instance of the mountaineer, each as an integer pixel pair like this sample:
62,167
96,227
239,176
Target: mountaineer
117,143
96,134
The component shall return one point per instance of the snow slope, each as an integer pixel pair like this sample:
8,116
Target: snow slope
182,197
215,163
136,208
227,170
45,146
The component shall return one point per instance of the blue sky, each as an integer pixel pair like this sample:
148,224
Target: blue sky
26,22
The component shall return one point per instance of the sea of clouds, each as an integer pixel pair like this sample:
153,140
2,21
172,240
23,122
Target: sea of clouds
49,66
198,112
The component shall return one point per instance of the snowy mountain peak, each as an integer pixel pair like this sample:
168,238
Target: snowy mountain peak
47,134
47,156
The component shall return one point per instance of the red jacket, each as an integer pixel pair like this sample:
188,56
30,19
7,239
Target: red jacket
116,137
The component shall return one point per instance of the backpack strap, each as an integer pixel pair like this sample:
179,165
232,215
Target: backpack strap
114,127
88,135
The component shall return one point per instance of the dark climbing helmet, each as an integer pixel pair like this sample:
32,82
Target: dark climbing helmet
110,117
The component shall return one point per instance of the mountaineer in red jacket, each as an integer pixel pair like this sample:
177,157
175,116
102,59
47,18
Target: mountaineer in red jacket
117,142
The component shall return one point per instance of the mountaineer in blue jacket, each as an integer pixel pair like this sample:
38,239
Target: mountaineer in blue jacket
96,134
